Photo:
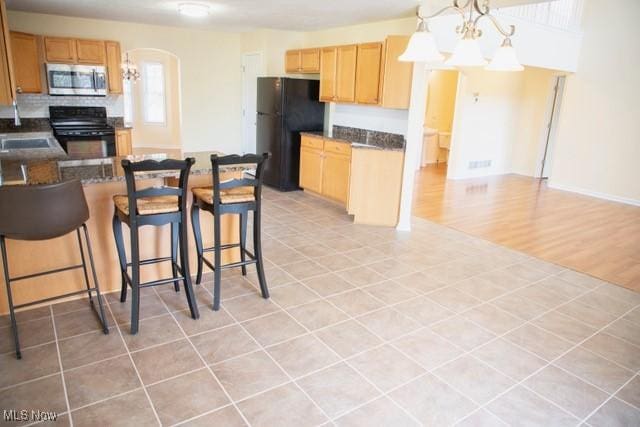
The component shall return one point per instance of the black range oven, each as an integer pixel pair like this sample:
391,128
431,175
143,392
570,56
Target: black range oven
83,132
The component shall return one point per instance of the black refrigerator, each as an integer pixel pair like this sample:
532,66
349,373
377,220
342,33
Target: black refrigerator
286,107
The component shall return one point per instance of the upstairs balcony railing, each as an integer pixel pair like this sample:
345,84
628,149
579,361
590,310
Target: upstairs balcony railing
561,14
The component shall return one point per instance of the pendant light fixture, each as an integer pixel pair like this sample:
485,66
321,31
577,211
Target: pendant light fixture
422,46
129,70
467,53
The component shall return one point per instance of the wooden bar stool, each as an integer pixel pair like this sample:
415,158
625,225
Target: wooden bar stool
42,212
153,206
236,196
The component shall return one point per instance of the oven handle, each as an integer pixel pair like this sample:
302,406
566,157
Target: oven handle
95,80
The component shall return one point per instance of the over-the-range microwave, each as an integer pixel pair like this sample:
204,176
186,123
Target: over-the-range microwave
70,79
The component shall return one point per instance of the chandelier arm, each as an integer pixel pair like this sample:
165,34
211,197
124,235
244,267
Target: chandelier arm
482,9
496,24
460,10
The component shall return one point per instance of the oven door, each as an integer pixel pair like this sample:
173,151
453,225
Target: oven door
88,146
86,80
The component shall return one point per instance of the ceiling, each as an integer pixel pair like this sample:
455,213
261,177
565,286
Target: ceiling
239,15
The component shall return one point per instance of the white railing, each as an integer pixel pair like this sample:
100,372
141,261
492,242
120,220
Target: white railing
563,14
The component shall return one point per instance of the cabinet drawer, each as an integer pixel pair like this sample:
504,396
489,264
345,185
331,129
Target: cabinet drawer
337,147
312,142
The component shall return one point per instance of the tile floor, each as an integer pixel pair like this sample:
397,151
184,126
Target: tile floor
365,326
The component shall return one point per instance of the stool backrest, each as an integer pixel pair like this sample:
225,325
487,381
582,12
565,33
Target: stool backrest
40,212
168,165
236,160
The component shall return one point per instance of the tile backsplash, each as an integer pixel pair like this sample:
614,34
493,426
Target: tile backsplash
37,105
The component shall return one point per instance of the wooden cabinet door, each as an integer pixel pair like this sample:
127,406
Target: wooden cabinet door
310,60
328,69
397,75
346,73
90,51
336,170
7,83
123,142
368,73
60,49
311,169
26,63
113,60
292,61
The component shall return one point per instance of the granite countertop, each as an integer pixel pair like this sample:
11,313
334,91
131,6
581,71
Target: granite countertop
362,138
98,170
55,151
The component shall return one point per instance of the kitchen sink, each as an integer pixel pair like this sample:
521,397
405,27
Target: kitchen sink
24,143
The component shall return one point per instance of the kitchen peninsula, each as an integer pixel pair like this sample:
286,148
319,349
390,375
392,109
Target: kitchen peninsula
358,168
102,178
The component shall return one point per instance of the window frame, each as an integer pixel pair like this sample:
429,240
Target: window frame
145,92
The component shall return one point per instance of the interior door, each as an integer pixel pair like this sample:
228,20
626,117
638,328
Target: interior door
251,70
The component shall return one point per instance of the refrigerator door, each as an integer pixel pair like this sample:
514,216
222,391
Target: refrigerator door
269,140
269,95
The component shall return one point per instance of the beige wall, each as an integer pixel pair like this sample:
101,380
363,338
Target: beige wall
272,44
598,141
210,81
157,135
441,99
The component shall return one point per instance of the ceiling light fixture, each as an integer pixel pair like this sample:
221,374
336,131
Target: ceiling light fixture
467,53
194,10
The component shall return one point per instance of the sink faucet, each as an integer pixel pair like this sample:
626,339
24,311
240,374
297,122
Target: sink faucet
16,114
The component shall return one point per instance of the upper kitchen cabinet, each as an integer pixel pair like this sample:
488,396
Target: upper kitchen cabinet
338,73
90,51
302,61
7,82
60,49
346,73
396,75
26,62
328,69
368,73
114,58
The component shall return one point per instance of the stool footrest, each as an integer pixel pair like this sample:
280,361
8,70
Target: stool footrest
44,273
152,261
222,247
231,265
70,294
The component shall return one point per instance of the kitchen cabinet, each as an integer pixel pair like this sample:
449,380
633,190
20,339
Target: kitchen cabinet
90,51
302,61
396,75
60,49
325,167
328,62
123,142
113,61
346,73
336,169
311,163
7,81
26,62
369,73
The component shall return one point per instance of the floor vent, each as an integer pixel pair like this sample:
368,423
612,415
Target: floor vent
477,164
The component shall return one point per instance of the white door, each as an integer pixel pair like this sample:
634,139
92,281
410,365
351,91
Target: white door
252,68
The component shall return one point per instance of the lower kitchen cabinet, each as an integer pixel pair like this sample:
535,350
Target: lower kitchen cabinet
123,142
325,168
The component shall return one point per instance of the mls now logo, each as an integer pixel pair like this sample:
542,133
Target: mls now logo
26,415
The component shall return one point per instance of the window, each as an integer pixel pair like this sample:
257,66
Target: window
128,103
153,97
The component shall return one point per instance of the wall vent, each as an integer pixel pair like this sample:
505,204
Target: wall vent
477,164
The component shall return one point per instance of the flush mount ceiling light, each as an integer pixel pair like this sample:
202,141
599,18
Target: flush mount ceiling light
467,53
193,10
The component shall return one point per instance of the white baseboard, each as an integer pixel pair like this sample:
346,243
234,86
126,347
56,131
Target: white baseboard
604,196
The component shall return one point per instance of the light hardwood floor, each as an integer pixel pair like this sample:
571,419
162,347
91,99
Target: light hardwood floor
586,234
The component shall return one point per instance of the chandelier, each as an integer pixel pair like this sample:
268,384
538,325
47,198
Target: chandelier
422,45
129,70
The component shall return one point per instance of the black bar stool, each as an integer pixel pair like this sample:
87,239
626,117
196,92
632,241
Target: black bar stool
153,206
236,196
41,212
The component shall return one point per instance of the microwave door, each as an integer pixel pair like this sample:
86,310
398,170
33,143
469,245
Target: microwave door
84,80
61,80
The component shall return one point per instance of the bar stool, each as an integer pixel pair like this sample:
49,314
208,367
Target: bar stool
236,196
42,212
156,207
